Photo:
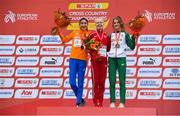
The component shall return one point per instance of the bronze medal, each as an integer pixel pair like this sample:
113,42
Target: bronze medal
117,45
117,40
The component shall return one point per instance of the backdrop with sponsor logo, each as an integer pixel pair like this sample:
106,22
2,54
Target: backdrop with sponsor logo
34,64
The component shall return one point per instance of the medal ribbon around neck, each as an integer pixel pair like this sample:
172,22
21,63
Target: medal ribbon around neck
117,36
100,38
82,36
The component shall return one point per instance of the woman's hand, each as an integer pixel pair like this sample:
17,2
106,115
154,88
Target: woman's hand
135,35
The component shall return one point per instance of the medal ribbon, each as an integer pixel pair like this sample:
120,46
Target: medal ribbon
100,38
117,38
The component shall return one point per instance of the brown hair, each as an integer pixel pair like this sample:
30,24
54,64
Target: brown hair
121,22
83,19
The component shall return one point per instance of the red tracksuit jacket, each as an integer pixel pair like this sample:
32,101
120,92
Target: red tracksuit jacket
99,66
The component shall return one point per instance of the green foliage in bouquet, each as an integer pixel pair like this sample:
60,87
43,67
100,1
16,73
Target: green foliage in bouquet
91,44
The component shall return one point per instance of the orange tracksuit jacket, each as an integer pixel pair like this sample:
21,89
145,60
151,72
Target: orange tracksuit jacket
76,52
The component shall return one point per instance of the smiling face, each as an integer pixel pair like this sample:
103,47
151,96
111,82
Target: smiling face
99,22
83,24
116,25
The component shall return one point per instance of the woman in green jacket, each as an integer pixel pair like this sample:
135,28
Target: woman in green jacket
117,59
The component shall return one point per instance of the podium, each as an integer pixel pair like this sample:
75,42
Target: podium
97,111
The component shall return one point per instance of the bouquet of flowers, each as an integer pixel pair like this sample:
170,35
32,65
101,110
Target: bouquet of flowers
92,44
137,23
61,20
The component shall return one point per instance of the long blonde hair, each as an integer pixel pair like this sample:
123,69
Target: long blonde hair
120,21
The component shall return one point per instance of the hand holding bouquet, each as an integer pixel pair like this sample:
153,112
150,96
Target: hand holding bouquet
137,24
92,44
61,21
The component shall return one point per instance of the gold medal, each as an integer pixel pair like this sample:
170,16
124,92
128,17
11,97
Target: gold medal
82,47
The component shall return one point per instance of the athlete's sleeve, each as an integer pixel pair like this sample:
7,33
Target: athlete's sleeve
130,41
67,38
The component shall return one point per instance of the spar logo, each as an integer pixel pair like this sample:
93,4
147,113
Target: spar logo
25,72
149,83
74,6
149,50
27,82
51,50
27,50
50,93
6,93
149,72
172,83
159,15
27,39
50,39
149,39
130,72
171,72
13,17
69,94
26,93
51,82
7,50
51,61
6,82
171,61
171,50
67,50
171,39
131,52
149,61
27,61
53,72
171,95
131,61
7,39
6,71
6,61
149,94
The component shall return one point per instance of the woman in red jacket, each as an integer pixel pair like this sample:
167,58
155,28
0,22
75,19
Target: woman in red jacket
99,62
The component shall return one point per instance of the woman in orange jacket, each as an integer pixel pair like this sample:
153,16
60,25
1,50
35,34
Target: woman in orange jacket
78,59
